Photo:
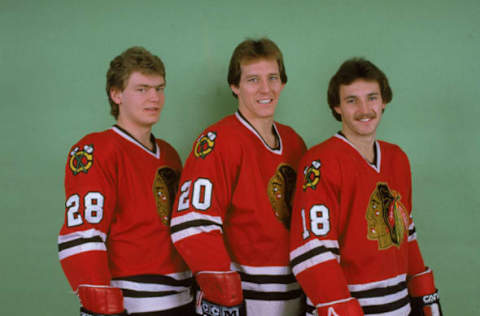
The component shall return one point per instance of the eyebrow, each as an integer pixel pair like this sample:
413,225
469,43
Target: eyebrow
150,86
356,96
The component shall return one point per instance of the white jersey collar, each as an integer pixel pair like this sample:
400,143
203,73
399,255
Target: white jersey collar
123,133
249,126
378,152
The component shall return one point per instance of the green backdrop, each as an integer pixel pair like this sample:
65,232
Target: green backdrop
53,59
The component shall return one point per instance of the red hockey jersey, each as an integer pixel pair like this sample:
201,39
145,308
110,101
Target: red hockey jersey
233,211
352,232
116,232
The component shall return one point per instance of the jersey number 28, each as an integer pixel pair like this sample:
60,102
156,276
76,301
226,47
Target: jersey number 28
93,203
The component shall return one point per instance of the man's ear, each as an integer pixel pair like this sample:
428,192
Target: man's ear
116,95
235,89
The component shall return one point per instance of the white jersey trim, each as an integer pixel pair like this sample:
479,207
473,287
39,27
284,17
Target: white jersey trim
195,229
84,247
82,234
129,138
268,270
251,129
377,149
379,284
81,248
151,304
316,259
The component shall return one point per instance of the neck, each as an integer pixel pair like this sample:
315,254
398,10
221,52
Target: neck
364,144
142,134
264,127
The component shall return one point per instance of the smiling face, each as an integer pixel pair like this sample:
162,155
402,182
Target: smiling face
259,88
361,107
141,102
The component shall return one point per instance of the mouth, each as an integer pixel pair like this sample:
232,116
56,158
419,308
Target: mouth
366,118
265,101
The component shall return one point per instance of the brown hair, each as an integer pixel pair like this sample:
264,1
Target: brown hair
121,67
351,70
249,50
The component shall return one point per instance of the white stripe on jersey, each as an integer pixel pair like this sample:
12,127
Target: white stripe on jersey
80,247
322,255
269,270
193,231
194,216
154,287
190,220
150,304
379,284
81,234
412,234
270,287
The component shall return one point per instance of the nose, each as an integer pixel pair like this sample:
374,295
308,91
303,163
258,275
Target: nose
363,106
264,86
154,95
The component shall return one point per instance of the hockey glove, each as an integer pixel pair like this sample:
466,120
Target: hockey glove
100,300
349,307
221,293
424,297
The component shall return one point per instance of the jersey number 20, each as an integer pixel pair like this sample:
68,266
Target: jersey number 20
201,195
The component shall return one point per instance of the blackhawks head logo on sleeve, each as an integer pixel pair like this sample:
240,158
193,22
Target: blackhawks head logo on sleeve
387,218
280,190
164,189
81,159
311,175
204,145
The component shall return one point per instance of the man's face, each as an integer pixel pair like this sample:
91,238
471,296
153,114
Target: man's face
258,89
141,102
361,108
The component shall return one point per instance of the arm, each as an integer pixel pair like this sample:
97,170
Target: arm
81,242
314,247
423,294
198,215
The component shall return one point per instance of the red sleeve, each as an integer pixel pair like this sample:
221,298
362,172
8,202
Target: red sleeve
202,202
415,260
314,247
89,203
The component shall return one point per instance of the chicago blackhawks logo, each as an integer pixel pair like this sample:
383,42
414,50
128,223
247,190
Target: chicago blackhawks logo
311,175
387,218
280,190
81,159
164,189
205,145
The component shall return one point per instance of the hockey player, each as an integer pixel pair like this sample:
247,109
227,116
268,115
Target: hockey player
353,242
231,218
120,184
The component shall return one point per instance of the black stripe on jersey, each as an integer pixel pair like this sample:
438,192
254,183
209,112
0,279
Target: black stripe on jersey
378,292
309,309
312,253
270,279
156,279
265,278
190,224
411,231
272,296
79,241
385,308
133,293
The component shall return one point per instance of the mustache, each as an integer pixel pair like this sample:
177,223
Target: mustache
369,116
